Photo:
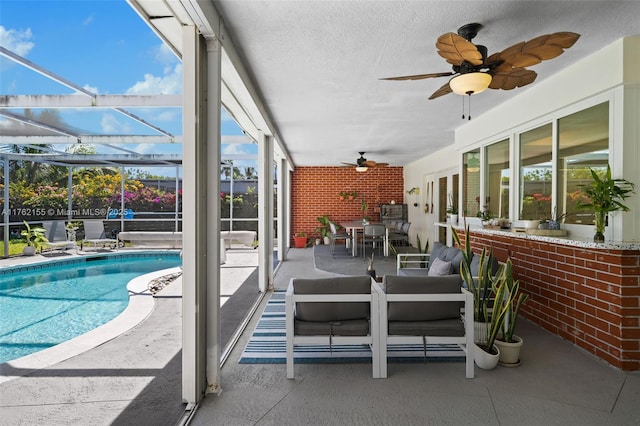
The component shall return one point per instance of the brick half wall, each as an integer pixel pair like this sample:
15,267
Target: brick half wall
588,296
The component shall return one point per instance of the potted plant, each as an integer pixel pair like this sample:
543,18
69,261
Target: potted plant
605,195
452,211
300,239
35,237
352,195
324,229
371,271
488,317
364,206
343,195
509,343
554,222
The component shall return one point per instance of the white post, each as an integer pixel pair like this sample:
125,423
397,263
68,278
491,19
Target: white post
283,186
213,106
265,211
6,206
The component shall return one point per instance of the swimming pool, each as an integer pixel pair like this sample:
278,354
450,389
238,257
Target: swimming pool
48,303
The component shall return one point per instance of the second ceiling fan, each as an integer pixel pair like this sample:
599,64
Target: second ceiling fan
362,164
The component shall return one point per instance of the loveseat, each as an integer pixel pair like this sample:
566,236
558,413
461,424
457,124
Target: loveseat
443,260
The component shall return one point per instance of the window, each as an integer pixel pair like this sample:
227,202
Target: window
536,173
583,144
471,183
497,179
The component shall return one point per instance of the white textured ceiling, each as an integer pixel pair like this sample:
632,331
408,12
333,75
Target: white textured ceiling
317,64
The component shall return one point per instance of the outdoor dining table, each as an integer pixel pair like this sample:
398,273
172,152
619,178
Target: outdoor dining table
353,226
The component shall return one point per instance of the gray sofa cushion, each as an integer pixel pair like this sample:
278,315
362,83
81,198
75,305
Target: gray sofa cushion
475,265
359,327
332,311
448,254
439,267
422,311
447,327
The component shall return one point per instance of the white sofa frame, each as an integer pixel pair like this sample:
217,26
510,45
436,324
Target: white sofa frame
465,342
373,339
412,261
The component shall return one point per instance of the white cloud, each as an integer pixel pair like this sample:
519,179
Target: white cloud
168,116
92,89
18,41
233,149
111,125
164,55
170,83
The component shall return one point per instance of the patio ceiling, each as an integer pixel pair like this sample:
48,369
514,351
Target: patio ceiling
314,67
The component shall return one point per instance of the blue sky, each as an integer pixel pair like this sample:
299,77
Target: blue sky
103,46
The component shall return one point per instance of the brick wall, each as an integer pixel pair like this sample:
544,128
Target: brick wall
590,297
316,191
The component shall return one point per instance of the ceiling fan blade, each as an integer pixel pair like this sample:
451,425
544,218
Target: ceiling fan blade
444,90
532,52
420,76
349,164
517,77
456,50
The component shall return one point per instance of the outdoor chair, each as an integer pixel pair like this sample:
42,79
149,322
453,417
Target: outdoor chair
94,234
57,236
400,236
333,311
336,236
426,310
376,235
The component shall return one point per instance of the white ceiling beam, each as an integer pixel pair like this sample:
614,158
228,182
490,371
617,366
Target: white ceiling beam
100,101
88,139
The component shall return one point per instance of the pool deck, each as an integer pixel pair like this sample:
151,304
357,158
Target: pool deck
134,378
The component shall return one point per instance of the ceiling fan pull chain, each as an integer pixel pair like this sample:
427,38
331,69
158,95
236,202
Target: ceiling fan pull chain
469,106
463,107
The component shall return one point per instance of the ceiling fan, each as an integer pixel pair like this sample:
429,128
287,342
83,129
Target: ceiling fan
362,164
474,72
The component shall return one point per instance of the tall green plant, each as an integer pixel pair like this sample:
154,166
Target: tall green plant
423,259
479,286
605,195
514,299
35,236
324,229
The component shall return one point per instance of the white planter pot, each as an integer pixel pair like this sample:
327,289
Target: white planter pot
327,241
484,359
510,352
531,224
29,251
454,219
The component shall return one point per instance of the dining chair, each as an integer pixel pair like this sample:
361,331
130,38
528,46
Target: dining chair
336,236
374,234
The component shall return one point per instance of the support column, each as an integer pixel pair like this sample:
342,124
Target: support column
212,81
200,365
70,194
265,212
6,206
283,194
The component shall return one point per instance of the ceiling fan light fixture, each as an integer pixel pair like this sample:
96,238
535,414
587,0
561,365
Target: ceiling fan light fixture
470,83
361,169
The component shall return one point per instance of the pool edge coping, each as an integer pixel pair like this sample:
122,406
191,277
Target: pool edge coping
140,306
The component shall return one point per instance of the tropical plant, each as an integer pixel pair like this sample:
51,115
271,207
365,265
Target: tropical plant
423,259
35,236
479,286
513,300
605,195
324,229
451,207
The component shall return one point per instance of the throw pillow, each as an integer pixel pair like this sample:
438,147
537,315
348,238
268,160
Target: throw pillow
439,267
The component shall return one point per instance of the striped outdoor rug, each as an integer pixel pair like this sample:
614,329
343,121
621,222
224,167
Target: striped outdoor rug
267,345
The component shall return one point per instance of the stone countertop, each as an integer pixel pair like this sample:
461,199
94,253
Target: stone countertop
573,242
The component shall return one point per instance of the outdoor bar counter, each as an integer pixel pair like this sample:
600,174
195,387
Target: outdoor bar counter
585,292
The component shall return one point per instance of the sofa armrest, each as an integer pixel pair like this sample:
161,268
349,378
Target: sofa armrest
412,261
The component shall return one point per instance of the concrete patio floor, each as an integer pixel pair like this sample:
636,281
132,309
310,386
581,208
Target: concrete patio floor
135,379
556,384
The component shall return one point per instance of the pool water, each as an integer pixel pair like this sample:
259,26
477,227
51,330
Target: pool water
44,307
